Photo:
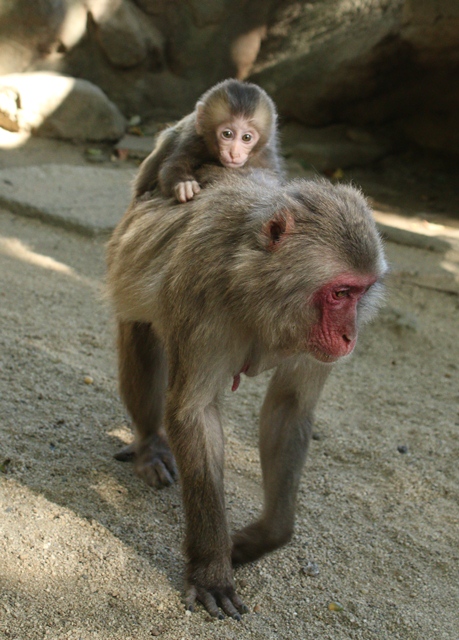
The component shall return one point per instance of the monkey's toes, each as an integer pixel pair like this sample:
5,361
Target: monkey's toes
227,599
157,471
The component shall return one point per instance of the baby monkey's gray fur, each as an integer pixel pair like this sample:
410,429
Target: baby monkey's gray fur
182,149
204,291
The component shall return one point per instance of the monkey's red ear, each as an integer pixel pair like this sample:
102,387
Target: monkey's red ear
277,227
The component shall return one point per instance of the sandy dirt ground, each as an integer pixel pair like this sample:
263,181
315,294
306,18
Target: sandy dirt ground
88,551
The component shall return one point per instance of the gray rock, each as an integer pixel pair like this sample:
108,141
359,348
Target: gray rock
413,239
59,106
372,62
207,12
9,108
88,199
325,64
126,36
14,56
327,148
136,146
154,7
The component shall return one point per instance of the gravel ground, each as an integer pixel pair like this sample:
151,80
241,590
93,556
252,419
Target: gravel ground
88,551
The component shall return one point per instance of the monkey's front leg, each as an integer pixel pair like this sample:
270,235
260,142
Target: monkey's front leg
197,441
143,377
185,191
285,430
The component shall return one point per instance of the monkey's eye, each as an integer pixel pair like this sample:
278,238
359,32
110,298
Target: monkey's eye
227,134
341,293
247,137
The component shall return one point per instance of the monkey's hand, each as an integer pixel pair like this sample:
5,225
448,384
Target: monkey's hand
213,589
185,191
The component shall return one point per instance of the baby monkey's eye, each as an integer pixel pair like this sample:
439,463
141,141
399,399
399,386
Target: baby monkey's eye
227,134
247,137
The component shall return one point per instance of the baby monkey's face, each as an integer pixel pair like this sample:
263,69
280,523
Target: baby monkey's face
236,138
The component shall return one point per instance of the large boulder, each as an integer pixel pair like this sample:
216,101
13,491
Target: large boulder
390,62
371,63
125,37
326,149
57,106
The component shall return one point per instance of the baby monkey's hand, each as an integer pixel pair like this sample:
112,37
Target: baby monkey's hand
185,191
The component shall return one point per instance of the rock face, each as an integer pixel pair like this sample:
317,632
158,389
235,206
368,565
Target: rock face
75,200
391,63
49,104
327,149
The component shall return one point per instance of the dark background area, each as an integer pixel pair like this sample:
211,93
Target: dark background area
388,65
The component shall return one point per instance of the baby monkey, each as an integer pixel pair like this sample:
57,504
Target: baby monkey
233,125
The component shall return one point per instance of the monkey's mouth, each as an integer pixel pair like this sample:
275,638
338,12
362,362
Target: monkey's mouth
321,356
230,164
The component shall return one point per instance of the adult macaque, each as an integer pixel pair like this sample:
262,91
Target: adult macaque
252,275
233,125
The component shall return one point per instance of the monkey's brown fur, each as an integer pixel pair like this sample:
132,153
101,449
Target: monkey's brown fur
180,150
234,281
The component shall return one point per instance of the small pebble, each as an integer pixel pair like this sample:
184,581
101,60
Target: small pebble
311,569
402,448
335,606
95,155
257,608
4,465
88,380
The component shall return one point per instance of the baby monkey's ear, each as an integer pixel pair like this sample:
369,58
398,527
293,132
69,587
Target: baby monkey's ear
199,118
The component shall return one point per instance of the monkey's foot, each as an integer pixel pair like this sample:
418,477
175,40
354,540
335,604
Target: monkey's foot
155,464
185,191
254,541
213,596
153,461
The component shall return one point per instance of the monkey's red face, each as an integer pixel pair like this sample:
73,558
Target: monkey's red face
335,333
236,139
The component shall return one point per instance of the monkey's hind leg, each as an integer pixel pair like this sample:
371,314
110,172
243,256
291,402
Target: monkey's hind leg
142,370
285,430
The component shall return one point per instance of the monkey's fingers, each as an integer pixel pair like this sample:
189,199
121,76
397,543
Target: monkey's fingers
229,608
229,601
158,471
185,191
195,186
209,602
190,598
196,593
241,607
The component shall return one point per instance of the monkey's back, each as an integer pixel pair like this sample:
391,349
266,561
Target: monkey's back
160,244
213,254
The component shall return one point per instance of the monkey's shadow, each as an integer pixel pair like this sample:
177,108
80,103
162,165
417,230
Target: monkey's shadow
78,472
